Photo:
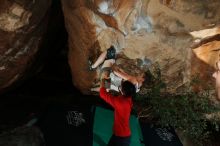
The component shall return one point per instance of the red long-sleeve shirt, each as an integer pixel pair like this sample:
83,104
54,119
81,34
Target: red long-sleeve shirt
122,108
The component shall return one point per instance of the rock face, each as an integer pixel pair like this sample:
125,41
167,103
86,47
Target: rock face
22,26
180,37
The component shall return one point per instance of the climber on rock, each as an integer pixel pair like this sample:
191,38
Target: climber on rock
113,73
119,75
216,75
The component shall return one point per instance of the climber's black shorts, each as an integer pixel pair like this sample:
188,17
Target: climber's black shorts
119,141
110,53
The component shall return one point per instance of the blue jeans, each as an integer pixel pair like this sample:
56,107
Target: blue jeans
119,141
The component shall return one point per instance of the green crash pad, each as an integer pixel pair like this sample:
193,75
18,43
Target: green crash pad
102,128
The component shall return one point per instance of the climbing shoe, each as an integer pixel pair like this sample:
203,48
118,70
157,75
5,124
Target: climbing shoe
90,66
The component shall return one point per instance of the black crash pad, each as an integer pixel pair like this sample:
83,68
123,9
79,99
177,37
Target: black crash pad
159,136
67,126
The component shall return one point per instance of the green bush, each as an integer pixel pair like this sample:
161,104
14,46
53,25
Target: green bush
186,112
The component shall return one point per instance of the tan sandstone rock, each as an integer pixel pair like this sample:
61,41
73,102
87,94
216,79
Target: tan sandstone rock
170,33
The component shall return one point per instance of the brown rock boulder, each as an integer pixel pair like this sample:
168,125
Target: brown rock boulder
163,32
22,26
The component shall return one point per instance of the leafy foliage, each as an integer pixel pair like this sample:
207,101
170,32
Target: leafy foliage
186,112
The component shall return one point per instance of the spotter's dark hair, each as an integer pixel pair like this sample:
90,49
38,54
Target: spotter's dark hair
128,89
